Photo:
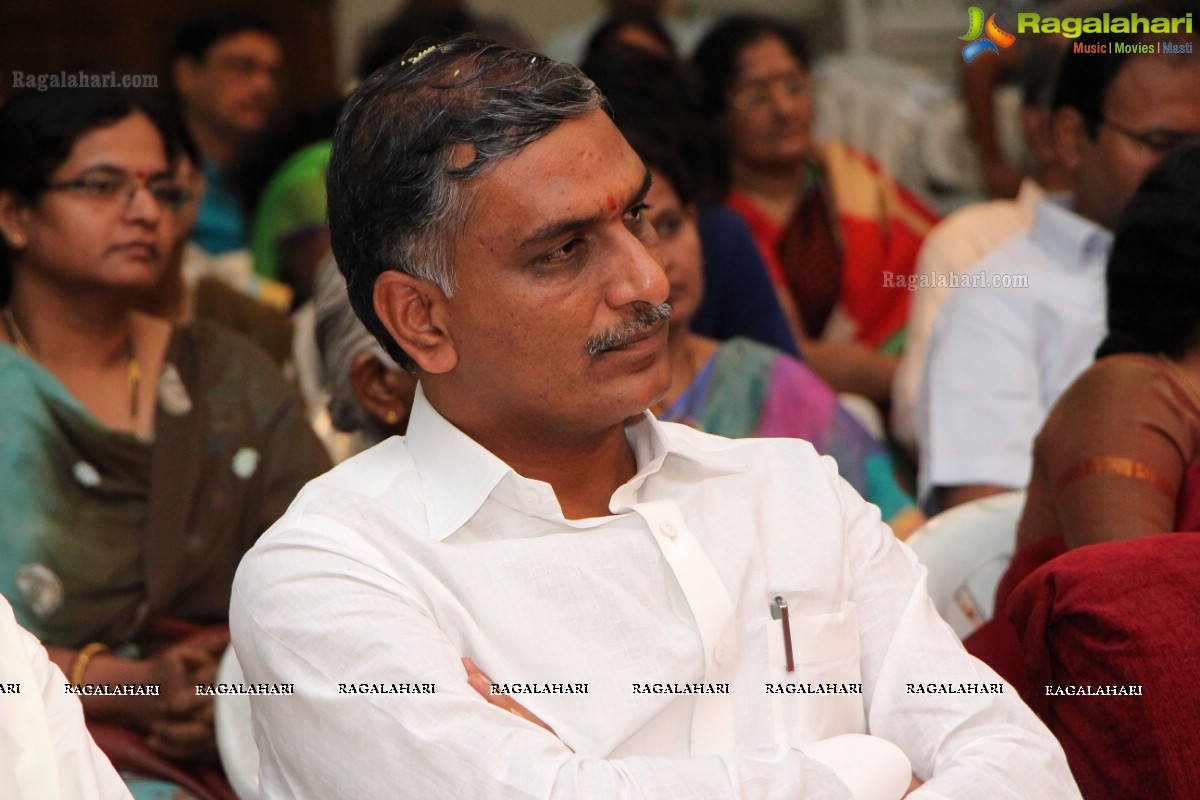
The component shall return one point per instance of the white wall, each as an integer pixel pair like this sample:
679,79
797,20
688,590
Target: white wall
351,18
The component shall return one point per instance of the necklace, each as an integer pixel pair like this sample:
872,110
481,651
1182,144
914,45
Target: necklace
134,368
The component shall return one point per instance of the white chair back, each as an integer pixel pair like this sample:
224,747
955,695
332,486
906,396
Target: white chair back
921,32
879,106
235,739
966,550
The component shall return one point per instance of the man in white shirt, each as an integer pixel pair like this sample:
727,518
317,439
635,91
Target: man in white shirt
690,617
46,752
959,242
1005,347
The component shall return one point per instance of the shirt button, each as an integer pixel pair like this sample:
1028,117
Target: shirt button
529,498
668,530
720,654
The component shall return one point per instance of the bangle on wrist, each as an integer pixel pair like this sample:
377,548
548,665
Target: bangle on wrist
79,664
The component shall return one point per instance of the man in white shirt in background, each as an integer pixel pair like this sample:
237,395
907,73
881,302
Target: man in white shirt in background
1002,352
956,244
688,616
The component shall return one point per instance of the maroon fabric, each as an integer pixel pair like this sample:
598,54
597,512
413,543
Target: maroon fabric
812,261
996,643
1115,614
1187,511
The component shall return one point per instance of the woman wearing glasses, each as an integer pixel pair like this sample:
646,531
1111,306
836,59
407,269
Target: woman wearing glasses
138,460
830,225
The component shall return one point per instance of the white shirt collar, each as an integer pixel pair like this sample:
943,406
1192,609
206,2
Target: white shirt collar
1069,240
458,474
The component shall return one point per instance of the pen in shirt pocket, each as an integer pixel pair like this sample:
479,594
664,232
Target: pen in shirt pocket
779,611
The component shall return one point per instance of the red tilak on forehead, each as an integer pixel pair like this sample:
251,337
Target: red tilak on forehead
612,203
140,174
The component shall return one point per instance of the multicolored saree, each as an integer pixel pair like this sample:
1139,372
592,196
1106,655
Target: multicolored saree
747,389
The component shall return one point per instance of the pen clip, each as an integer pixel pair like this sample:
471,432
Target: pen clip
779,611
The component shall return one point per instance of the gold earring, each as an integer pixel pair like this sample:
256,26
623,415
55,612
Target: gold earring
392,417
16,239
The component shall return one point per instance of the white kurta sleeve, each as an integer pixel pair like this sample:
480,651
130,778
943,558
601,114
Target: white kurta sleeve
46,752
965,731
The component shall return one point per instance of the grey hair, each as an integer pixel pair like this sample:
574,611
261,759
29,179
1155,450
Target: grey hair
340,337
398,187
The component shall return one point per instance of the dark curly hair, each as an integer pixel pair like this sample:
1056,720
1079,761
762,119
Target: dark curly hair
1154,269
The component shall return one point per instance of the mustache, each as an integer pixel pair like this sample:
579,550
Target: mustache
641,321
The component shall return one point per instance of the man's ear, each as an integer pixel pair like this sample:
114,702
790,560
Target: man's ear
415,313
1071,139
384,391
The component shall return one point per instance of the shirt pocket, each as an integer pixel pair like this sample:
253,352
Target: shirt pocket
822,697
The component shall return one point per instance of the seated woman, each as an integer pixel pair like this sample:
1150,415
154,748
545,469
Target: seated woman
740,388
830,225
141,459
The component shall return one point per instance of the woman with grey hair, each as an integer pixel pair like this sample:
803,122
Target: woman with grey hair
370,395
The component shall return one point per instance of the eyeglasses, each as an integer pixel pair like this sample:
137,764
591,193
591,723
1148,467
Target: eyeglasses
1157,140
247,67
759,94
111,186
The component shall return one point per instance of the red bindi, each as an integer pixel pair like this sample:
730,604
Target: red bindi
612,203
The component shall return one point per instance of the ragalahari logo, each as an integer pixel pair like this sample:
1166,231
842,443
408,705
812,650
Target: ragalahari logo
984,38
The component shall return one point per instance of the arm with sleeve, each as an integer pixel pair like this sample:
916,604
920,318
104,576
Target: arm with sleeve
980,405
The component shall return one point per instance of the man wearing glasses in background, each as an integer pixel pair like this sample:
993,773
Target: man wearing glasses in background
226,71
1001,355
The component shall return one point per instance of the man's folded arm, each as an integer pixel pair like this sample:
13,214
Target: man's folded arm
966,732
324,620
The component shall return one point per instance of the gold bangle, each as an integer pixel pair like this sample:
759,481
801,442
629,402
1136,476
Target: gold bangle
84,657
